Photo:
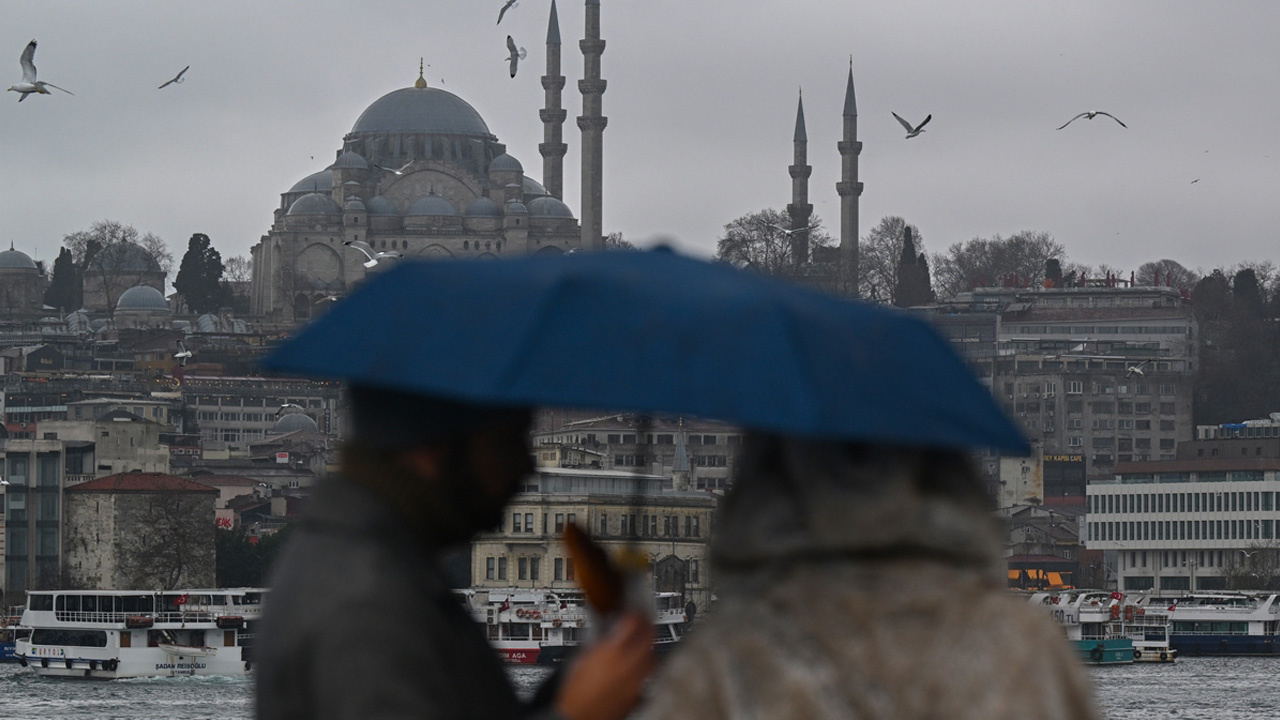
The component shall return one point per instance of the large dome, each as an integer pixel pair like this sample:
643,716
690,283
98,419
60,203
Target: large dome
294,422
142,297
421,110
16,259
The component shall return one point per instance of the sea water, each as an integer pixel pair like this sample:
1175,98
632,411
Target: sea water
1192,688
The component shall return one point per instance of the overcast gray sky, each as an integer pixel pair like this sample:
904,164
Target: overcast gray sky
701,103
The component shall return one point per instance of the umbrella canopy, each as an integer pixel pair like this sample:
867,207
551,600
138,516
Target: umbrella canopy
653,332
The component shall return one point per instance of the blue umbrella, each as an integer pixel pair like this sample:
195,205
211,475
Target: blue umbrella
653,332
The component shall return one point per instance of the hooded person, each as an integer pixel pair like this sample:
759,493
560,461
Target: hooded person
866,582
361,621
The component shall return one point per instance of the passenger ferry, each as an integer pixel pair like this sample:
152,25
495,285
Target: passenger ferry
1223,623
111,634
1093,622
542,626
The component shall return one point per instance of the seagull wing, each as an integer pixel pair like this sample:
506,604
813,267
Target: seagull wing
362,246
511,47
905,124
176,78
1113,117
926,120
390,254
515,63
28,62
1073,119
504,9
55,87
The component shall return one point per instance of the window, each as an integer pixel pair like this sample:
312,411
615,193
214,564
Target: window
573,519
533,568
568,569
515,522
528,522
1075,442
522,568
558,569
559,522
604,524
1075,387
489,569
502,568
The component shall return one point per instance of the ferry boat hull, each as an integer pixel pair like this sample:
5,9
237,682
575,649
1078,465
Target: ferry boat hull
1225,645
1105,651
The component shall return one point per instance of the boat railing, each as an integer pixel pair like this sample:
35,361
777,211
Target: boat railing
178,617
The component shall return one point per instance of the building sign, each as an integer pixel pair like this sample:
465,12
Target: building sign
1064,458
1064,479
282,458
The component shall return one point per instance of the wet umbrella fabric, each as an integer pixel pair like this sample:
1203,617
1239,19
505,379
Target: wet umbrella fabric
653,332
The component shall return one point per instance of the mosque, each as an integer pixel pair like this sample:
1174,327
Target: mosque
420,174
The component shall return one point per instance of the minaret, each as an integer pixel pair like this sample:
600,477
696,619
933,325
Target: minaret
850,190
592,123
552,146
800,210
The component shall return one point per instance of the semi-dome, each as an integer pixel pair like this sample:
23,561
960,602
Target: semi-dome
533,188
16,260
354,204
141,297
313,204
431,205
351,161
315,182
547,206
379,205
515,207
421,110
483,207
505,163
293,422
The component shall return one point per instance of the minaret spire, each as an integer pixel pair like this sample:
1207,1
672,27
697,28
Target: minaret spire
592,123
850,190
421,82
553,114
800,210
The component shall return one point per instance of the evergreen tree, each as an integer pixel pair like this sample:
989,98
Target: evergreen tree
1053,273
66,290
200,276
913,286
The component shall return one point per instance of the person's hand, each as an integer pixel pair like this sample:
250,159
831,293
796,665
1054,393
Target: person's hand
605,680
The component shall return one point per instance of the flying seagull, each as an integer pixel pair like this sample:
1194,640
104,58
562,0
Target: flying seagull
510,4
176,78
394,171
1092,115
29,84
788,232
370,253
913,131
182,354
517,54
1135,369
288,406
1193,182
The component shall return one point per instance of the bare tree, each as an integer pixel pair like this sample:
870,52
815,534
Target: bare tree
1169,273
237,269
980,261
759,241
1257,568
159,252
880,257
116,258
173,542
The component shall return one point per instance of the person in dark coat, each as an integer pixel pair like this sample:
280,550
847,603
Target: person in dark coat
361,621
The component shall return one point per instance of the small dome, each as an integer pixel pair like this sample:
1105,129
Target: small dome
315,182
379,205
505,163
533,188
16,260
515,207
313,204
431,205
483,207
141,297
354,204
351,161
295,421
208,322
547,206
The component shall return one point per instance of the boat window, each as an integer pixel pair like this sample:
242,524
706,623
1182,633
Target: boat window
73,638
40,602
68,602
89,603
137,604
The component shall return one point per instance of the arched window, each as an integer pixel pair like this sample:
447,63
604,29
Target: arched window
466,244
